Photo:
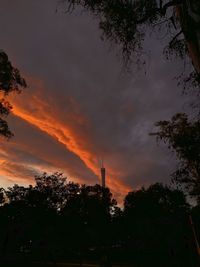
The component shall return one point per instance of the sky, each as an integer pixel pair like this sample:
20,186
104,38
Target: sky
81,105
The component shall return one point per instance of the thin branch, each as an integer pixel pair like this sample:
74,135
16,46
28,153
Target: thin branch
175,37
170,4
161,22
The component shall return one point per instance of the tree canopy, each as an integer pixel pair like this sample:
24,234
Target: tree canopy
156,199
125,22
10,81
89,226
183,137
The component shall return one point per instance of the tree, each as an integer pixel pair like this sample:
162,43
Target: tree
53,211
88,216
156,200
53,189
2,196
183,137
125,22
155,223
31,214
16,193
49,192
10,81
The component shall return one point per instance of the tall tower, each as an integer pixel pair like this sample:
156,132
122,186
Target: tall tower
103,175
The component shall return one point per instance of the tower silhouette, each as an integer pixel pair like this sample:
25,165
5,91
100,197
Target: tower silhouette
103,175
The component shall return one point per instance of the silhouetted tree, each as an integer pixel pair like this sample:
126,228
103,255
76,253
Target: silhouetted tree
10,81
16,193
2,196
54,213
53,188
183,137
55,219
195,213
31,215
89,212
89,197
51,191
156,200
155,222
125,22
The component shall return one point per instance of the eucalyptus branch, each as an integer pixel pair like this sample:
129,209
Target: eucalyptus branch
170,4
175,37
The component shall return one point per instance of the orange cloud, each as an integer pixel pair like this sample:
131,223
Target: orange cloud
65,136
69,129
17,173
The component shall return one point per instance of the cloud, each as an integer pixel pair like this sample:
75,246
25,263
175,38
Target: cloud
71,130
32,147
80,105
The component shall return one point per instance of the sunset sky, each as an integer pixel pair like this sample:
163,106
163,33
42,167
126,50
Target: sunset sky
81,105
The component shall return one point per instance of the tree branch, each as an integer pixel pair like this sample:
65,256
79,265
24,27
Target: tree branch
175,37
169,4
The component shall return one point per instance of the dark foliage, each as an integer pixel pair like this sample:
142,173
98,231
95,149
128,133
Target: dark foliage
157,199
122,22
10,78
183,137
59,221
125,22
2,196
155,222
10,81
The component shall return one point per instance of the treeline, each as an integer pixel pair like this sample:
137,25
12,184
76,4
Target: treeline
56,220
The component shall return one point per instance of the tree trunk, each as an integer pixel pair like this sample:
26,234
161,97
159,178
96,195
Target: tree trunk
189,17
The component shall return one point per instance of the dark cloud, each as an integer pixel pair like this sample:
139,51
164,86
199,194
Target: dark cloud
83,89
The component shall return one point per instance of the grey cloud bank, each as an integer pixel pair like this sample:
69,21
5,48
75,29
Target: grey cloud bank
65,52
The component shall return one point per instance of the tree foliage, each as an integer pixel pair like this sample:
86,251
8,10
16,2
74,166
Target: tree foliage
156,199
2,196
10,81
121,21
125,21
183,137
60,220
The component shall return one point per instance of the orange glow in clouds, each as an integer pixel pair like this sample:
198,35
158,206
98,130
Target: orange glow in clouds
45,118
64,135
